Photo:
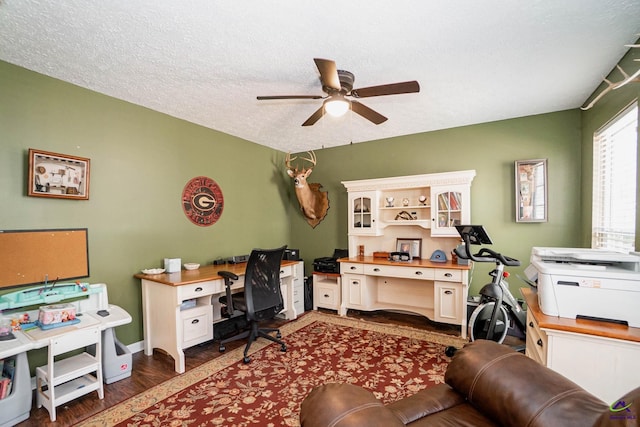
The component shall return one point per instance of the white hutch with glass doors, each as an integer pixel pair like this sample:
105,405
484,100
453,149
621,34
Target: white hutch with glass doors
420,209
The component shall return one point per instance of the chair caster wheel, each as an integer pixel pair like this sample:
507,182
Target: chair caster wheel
283,348
222,348
278,335
246,359
450,351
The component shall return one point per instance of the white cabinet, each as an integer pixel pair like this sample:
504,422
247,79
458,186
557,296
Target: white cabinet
602,358
354,292
363,213
326,291
448,308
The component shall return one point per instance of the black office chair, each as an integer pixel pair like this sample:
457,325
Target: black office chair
261,299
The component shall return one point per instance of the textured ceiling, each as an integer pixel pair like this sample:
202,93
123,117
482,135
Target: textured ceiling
205,61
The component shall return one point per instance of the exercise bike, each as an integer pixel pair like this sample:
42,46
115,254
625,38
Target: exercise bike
490,320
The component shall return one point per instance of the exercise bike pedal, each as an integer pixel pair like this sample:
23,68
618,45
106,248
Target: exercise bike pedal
450,351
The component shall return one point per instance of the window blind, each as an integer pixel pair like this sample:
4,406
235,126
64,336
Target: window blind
614,182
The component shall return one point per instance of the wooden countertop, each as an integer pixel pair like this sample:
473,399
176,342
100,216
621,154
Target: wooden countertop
589,327
202,274
423,262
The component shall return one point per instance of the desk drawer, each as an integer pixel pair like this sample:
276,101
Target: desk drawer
201,289
197,325
286,271
448,274
408,272
326,294
351,267
536,347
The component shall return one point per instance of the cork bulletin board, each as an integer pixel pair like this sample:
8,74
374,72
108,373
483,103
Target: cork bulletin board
33,256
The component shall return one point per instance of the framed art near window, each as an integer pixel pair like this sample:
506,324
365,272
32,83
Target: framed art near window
531,190
58,175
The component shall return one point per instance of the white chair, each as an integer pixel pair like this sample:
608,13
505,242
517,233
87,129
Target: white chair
64,379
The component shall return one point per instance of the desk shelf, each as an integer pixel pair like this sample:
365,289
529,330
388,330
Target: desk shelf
40,295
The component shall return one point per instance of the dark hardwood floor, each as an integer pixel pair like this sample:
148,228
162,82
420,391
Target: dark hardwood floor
149,371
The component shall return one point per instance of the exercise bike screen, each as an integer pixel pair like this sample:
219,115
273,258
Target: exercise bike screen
477,234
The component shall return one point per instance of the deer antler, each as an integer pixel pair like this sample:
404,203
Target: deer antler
288,159
311,159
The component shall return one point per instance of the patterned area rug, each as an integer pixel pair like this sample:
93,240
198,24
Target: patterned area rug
390,360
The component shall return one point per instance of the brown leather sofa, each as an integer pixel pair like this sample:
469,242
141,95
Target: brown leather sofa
487,384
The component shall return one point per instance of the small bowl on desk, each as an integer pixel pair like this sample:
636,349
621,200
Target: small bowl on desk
153,271
191,266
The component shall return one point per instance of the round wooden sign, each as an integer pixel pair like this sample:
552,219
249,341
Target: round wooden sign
202,201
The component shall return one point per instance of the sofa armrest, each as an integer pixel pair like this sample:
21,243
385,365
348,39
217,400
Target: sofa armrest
344,405
425,402
517,391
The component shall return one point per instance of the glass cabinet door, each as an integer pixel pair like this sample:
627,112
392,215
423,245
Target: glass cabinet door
450,209
363,213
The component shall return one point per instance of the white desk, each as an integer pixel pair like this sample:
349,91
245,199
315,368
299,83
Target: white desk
435,290
39,338
172,327
17,406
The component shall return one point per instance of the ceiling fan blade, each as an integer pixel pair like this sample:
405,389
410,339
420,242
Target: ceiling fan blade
314,117
328,73
390,89
262,98
367,113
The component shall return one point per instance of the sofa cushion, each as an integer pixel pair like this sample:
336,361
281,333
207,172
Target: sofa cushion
464,415
439,405
344,405
425,402
512,389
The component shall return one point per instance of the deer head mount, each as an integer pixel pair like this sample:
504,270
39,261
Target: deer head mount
314,203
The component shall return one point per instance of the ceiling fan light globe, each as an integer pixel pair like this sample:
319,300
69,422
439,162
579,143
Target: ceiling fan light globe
336,107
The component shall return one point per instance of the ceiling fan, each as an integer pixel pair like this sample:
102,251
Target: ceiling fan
338,85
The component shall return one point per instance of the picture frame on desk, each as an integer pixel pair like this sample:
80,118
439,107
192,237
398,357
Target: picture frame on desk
411,245
59,176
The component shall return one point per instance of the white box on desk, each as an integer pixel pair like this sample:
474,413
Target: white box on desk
172,265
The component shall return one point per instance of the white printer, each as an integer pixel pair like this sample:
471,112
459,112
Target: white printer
590,283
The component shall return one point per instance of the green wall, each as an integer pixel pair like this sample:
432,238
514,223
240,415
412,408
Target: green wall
491,149
140,163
